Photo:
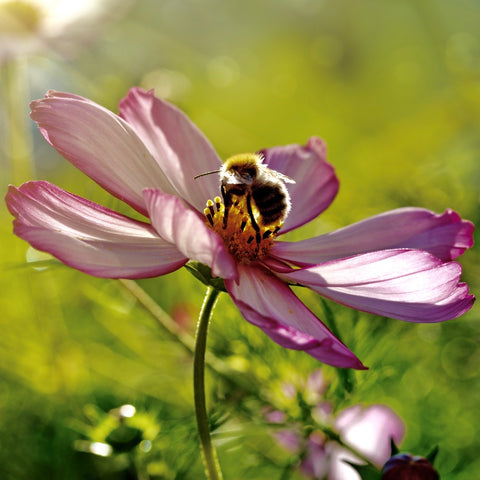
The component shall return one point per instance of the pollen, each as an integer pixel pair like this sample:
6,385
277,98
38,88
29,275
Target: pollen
246,240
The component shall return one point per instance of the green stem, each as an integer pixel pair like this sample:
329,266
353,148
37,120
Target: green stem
212,467
248,383
176,333
333,435
163,320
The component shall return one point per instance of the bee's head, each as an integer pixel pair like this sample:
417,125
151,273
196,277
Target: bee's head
241,168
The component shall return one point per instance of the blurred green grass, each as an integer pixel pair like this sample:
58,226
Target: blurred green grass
393,87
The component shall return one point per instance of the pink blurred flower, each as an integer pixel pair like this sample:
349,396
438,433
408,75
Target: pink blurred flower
397,264
367,430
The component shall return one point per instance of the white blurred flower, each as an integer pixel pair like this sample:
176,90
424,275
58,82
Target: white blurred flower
35,26
369,431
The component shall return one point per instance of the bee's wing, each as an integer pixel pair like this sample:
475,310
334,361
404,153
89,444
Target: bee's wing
285,178
282,177
273,173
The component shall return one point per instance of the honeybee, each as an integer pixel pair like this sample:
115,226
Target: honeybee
244,175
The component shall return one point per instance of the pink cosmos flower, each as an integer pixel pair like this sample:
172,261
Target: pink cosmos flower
397,264
369,430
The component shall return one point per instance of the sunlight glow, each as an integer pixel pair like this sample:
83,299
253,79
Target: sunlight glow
127,411
101,449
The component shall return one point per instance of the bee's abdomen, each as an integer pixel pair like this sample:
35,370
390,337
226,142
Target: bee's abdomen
271,202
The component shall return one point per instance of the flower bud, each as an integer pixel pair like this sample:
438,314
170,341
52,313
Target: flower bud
407,467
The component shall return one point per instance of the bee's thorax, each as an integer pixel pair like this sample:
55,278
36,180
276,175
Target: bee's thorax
255,205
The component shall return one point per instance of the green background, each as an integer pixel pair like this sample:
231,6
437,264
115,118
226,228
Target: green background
393,86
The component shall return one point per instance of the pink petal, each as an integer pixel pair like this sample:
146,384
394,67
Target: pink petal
316,183
89,237
338,469
409,285
268,303
179,147
290,440
446,236
101,144
316,461
187,230
369,431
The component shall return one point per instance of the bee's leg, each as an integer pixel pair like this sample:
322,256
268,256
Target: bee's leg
227,201
255,226
269,232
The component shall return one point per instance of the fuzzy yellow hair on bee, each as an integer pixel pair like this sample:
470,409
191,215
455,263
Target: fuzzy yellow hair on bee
245,175
254,193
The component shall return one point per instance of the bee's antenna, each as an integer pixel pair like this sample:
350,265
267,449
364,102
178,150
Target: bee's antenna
206,173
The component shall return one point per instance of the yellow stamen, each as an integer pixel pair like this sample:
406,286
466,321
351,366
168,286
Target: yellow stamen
245,240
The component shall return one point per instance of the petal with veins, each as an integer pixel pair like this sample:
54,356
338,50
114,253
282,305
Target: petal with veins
409,285
179,147
101,144
316,182
265,301
444,235
89,237
184,227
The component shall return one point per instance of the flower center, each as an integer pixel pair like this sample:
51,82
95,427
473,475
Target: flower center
241,228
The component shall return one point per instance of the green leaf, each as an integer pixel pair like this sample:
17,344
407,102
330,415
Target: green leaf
366,472
204,274
345,375
393,448
124,438
432,455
